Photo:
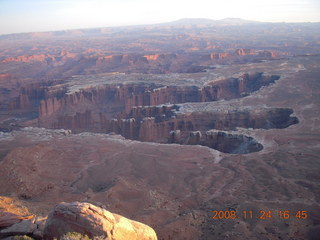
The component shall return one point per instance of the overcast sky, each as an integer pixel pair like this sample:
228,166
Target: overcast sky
47,15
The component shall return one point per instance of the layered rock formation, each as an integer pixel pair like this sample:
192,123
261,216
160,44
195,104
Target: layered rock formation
120,101
243,52
29,97
43,58
135,110
148,112
181,128
231,143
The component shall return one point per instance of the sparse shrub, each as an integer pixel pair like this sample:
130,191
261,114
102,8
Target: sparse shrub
100,238
25,237
79,236
74,236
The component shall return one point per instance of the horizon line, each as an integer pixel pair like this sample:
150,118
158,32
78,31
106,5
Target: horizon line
162,23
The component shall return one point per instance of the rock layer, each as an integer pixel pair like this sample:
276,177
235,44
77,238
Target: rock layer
147,112
132,110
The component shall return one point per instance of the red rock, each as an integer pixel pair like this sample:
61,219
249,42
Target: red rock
27,59
4,75
93,221
131,110
152,57
8,219
244,52
24,227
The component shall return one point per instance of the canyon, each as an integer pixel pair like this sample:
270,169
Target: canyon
165,124
151,112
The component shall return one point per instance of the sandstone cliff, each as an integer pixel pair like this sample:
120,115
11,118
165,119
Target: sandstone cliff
137,112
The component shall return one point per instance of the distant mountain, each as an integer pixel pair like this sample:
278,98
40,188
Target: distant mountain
246,26
191,21
209,22
235,21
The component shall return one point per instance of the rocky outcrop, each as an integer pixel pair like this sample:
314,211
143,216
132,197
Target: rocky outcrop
43,58
21,102
231,143
93,221
268,54
153,63
29,99
12,225
169,62
244,52
83,218
7,219
192,129
222,141
194,138
163,126
240,86
31,58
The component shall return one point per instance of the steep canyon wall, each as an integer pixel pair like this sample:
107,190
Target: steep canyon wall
149,112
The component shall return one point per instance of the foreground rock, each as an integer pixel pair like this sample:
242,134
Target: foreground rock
71,218
14,225
93,221
8,219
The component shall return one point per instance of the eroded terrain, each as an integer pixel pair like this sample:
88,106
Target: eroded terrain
162,136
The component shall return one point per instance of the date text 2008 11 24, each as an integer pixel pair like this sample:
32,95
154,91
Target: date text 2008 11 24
262,214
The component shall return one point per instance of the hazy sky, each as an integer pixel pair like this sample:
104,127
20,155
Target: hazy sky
46,15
